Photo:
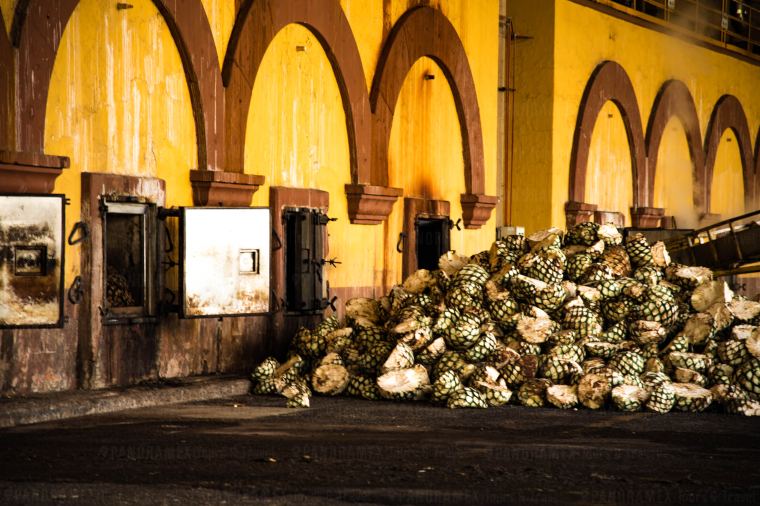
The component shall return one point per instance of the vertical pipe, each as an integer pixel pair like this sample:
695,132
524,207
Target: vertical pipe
506,111
502,131
510,139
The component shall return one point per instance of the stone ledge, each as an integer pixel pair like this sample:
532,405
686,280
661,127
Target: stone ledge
24,172
578,212
476,209
370,205
646,217
614,217
220,188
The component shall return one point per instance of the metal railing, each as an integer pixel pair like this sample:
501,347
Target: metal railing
730,24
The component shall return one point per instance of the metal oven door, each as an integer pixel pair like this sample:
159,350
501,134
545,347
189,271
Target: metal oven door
31,260
224,261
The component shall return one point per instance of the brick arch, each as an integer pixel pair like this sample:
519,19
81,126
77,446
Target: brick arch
674,99
257,24
728,113
609,81
425,32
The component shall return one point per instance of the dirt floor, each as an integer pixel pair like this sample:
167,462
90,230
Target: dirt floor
252,450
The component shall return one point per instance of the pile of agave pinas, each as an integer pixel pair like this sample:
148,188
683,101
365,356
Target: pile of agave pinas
566,320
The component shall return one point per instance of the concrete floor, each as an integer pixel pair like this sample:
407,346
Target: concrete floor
252,450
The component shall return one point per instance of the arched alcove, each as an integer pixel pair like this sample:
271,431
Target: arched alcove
673,186
675,101
608,82
728,114
608,171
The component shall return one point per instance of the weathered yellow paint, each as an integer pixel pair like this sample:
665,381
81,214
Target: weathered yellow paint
426,153
7,7
532,190
585,37
608,180
221,18
570,40
119,103
727,198
296,133
674,183
296,137
421,160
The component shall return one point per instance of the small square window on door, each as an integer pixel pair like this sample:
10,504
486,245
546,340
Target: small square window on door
129,258
305,286
432,241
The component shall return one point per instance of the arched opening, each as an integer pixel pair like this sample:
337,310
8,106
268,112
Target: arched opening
425,148
673,182
257,24
425,32
425,158
608,82
674,100
118,100
728,114
608,173
727,186
296,131
296,137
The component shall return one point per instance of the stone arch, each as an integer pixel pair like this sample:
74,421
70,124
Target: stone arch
6,88
420,32
191,31
257,24
674,99
188,24
36,32
728,113
608,81
757,167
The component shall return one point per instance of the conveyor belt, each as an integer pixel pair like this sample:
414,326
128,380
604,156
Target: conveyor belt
728,247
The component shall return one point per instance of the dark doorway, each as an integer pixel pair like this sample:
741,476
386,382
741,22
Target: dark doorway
129,258
304,252
432,241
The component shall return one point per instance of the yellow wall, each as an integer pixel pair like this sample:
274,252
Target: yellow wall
727,186
7,7
532,190
585,37
674,183
609,168
119,103
582,38
296,134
